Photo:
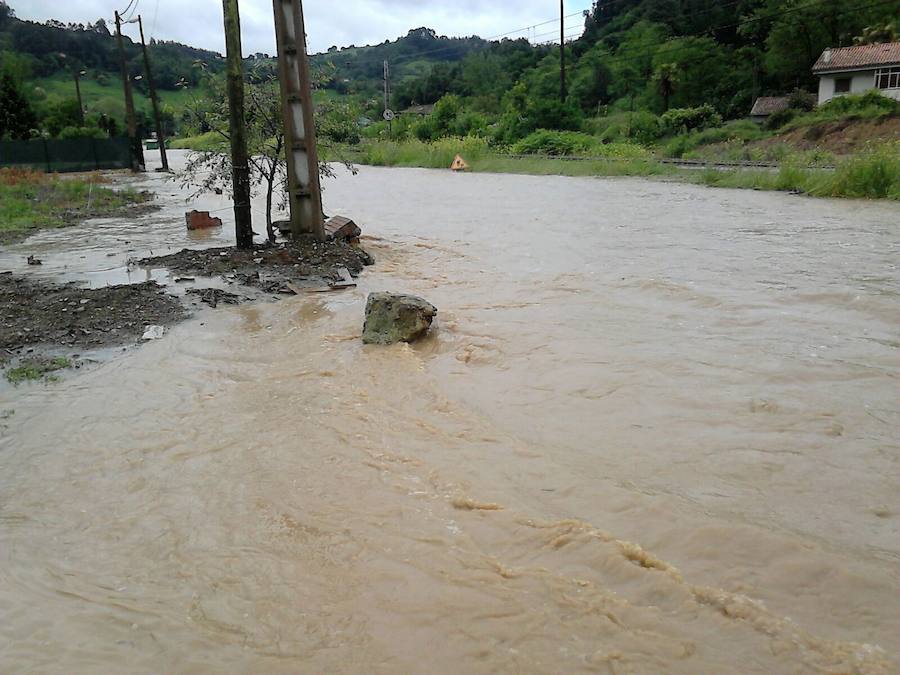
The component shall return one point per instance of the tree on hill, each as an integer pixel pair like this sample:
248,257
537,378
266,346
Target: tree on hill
665,76
17,118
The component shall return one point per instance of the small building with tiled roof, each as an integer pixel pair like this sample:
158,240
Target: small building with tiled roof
858,69
769,105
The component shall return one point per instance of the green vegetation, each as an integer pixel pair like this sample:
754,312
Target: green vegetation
37,369
646,79
211,141
873,174
31,200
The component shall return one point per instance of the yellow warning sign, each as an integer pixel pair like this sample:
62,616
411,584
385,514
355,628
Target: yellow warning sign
459,164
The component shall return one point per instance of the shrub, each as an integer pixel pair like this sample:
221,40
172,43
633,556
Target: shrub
641,126
544,141
801,100
739,132
778,119
69,133
517,122
339,123
870,102
680,120
873,174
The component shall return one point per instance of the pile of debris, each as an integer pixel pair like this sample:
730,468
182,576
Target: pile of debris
272,268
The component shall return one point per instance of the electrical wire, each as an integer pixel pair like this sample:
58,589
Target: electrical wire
418,55
153,25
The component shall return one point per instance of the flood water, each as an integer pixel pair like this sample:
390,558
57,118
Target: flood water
655,430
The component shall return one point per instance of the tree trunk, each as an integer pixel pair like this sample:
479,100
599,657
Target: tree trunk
240,168
270,179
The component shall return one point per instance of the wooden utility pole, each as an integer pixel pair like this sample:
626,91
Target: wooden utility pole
75,75
160,134
387,98
562,51
240,165
136,148
305,193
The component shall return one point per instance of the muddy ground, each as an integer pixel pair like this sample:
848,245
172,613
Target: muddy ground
269,268
36,313
41,318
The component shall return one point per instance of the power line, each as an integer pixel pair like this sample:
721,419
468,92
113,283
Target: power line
413,57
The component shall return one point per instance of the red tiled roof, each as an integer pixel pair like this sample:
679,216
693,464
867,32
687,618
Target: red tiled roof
766,105
860,56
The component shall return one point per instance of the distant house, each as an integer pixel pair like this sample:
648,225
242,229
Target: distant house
423,110
768,105
855,70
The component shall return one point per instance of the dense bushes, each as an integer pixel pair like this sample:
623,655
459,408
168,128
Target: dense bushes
69,133
742,131
682,120
555,143
565,143
641,126
870,104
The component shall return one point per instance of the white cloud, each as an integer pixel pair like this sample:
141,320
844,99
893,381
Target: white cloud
338,22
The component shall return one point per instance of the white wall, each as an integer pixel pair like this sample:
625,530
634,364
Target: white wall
861,82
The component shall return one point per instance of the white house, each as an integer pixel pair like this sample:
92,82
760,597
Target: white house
856,70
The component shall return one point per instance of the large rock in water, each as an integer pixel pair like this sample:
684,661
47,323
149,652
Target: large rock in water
394,318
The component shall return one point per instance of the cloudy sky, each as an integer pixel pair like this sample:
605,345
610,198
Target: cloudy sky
328,22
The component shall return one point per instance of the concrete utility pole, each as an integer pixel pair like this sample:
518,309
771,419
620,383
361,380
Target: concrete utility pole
305,193
136,148
160,134
562,51
240,165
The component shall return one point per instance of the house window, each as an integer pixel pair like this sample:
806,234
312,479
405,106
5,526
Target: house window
842,85
888,78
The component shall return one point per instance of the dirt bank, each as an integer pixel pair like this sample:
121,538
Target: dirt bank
841,137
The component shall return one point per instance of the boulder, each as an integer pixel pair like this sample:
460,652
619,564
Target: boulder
394,318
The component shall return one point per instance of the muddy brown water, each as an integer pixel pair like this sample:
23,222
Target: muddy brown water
654,431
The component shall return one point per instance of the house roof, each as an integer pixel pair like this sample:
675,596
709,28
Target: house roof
860,56
767,105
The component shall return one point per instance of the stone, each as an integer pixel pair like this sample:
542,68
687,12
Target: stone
201,220
392,318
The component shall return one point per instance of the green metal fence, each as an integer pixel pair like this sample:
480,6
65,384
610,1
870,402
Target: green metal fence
77,154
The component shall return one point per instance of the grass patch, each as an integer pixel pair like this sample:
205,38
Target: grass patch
874,174
30,200
37,369
211,141
414,153
869,106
